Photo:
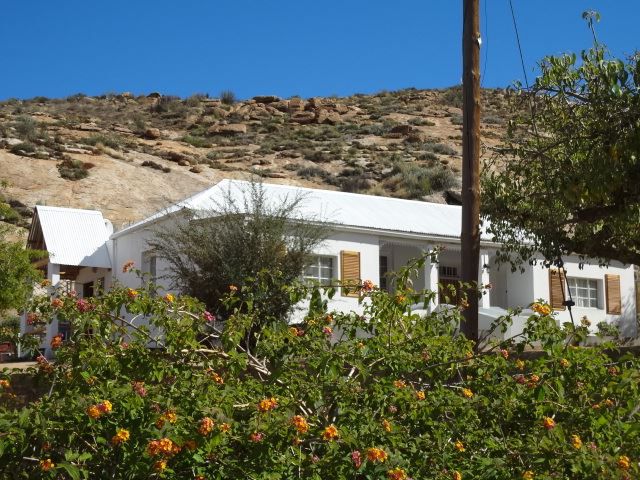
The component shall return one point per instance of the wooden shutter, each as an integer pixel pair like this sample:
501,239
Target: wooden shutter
612,293
350,271
556,289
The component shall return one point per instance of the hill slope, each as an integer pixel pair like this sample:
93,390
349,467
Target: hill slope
129,156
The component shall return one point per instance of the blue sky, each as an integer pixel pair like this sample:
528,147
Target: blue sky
284,47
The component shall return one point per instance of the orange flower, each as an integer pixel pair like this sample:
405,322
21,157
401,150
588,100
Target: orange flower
233,288
327,330
46,465
330,433
215,377
624,463
128,266
548,423
4,383
399,384
160,465
420,395
528,475
467,393
131,293
267,404
225,427
56,342
459,446
296,332
199,477
205,426
121,436
56,303
170,416
163,446
376,455
576,441
397,474
300,423
105,406
504,353
94,412
367,285
564,363
456,475
169,298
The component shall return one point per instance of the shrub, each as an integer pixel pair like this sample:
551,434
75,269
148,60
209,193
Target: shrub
27,128
421,122
111,141
73,169
440,148
395,395
227,97
26,147
197,141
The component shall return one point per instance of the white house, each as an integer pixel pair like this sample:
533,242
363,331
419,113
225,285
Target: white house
370,236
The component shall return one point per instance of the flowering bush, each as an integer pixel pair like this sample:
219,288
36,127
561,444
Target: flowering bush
398,396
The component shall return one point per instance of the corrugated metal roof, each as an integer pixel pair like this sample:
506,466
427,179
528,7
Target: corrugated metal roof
338,208
74,237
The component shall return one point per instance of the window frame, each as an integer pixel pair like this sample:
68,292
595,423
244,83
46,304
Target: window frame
320,279
592,289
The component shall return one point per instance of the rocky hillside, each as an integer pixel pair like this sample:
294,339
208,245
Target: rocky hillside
129,156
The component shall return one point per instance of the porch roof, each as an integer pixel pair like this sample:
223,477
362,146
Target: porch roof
71,236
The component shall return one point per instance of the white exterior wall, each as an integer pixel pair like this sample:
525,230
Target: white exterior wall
626,322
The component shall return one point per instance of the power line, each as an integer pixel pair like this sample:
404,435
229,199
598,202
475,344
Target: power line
515,26
485,41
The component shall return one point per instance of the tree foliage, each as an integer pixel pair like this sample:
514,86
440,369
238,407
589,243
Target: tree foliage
17,274
246,236
568,176
389,394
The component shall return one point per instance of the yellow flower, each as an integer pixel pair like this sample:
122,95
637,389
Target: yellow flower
216,378
330,433
160,465
399,384
456,475
467,393
548,423
564,363
576,442
528,475
225,427
169,298
46,465
459,446
397,474
623,462
4,383
386,425
541,308
105,406
267,404
420,395
131,293
376,455
519,364
121,436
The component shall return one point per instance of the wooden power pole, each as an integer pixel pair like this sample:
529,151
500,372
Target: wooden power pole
470,236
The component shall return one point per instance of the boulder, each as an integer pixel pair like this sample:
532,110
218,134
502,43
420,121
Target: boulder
266,99
229,129
341,108
327,116
152,133
313,103
303,118
154,95
296,105
88,127
282,106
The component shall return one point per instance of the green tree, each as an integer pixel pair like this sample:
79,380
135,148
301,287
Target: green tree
17,274
567,179
244,239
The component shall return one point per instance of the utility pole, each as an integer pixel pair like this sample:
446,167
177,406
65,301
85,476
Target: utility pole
470,235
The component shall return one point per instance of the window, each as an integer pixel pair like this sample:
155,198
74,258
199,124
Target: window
384,271
447,272
320,270
584,292
149,265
